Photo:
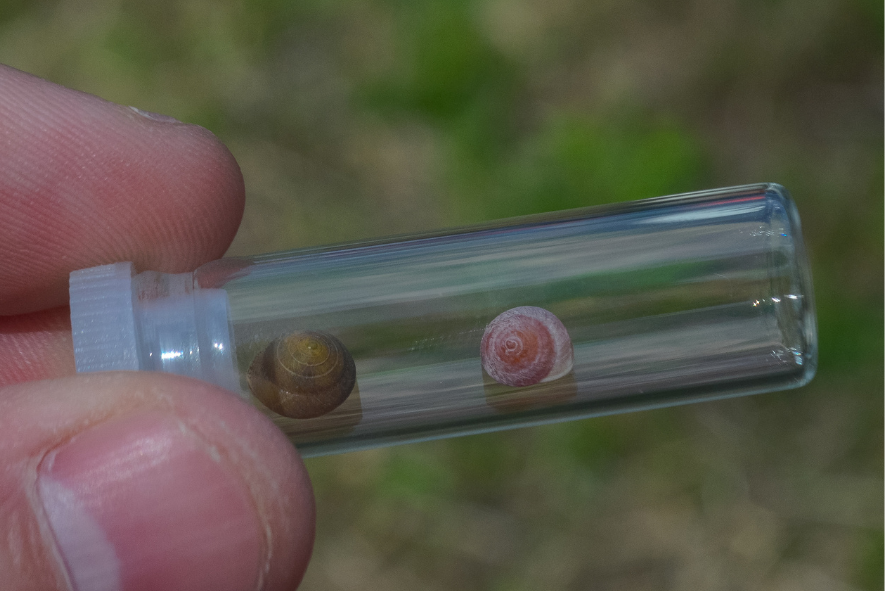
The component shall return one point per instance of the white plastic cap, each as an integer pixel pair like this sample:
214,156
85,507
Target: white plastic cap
150,321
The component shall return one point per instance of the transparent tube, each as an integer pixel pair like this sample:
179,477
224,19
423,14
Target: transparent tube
643,304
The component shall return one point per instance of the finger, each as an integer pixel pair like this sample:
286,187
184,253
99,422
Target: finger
36,346
87,182
132,480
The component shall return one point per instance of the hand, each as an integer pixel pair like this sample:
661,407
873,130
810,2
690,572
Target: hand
124,480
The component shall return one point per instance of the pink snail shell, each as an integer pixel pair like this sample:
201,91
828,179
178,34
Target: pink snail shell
524,346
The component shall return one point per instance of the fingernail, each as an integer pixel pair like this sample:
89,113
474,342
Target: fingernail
155,116
142,503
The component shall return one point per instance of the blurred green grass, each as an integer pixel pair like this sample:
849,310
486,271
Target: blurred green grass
362,119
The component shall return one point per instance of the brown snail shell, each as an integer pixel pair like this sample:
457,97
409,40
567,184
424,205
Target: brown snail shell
524,346
303,375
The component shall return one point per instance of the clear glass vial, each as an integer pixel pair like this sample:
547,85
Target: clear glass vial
524,321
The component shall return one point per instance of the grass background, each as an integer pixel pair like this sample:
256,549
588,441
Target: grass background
375,117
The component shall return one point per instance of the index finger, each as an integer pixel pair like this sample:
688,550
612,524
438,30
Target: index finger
85,182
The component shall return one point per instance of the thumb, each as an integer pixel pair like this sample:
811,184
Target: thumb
130,481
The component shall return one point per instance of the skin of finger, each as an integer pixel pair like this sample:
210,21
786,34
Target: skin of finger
36,346
37,417
88,182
